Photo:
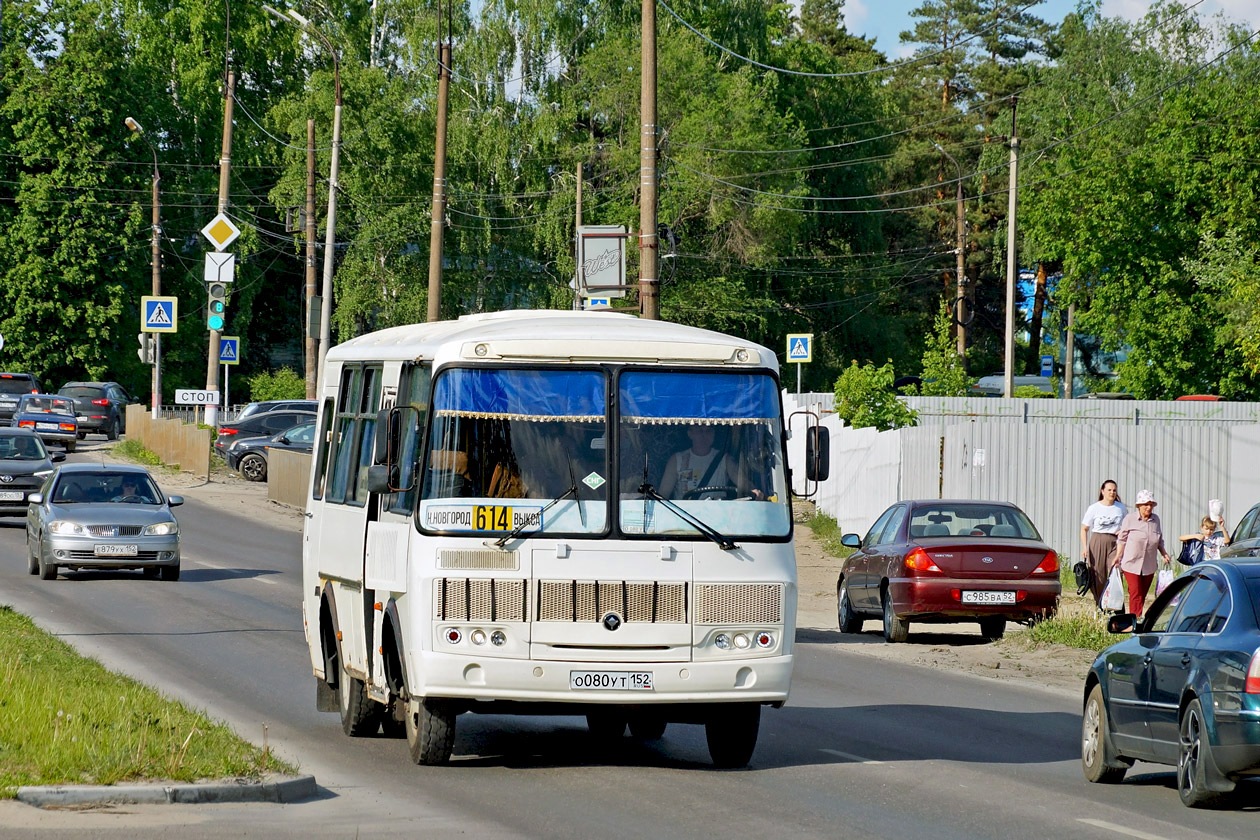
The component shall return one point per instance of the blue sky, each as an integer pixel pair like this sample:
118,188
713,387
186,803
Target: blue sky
885,19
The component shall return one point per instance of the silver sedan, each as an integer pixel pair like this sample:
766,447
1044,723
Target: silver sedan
89,516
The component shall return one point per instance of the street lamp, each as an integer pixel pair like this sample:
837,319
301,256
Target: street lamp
156,261
960,276
325,313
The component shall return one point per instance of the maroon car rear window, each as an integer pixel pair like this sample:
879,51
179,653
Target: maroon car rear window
971,520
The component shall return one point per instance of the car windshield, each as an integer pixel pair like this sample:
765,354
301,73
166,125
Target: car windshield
103,487
36,404
971,520
712,443
506,444
22,448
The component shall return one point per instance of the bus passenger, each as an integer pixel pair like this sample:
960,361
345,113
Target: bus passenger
697,467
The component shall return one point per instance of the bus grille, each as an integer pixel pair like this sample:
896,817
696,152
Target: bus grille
479,599
739,603
586,600
480,559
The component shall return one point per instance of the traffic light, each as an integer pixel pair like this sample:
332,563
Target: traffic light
145,353
218,305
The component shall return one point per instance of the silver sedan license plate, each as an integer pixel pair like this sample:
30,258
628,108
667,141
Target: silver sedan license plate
973,597
611,680
109,550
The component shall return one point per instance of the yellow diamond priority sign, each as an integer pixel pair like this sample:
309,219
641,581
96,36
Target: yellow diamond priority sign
221,232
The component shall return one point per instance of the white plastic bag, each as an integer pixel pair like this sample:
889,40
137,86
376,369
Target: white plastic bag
1216,510
1113,595
1162,580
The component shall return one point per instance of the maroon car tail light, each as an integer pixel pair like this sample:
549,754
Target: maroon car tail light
918,561
956,594
1252,685
1048,566
100,402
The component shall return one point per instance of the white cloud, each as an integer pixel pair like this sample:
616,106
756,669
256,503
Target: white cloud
1240,11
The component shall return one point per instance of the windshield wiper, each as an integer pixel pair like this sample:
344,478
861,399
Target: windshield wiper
723,542
574,487
516,532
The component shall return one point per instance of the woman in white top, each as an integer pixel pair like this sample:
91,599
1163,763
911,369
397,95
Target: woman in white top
1099,528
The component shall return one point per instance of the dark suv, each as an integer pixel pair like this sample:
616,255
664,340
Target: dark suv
258,425
12,387
99,406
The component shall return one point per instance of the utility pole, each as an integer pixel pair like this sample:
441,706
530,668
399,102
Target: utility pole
577,250
1069,363
155,261
960,270
225,162
649,279
437,219
312,371
330,227
1011,270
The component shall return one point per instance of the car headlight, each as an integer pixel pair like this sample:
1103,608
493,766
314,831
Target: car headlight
42,473
161,529
65,528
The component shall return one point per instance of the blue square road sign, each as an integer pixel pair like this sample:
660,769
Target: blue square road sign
159,314
229,350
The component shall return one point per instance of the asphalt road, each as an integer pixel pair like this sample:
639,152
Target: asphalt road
865,749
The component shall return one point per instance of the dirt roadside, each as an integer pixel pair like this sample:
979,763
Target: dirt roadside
947,647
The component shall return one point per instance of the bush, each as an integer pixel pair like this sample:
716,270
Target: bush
943,373
865,397
283,384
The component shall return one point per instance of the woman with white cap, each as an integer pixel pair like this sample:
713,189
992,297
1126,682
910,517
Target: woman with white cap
1140,541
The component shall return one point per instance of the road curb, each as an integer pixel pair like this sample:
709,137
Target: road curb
270,789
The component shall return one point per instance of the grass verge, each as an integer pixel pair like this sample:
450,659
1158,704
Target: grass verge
828,533
64,719
133,450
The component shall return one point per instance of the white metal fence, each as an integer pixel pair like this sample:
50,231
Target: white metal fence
1049,462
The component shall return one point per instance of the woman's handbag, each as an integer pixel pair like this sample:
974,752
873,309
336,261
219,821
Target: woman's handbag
1113,595
1162,580
1191,553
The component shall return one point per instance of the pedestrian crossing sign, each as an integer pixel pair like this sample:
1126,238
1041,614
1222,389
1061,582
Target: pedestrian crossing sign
158,314
800,347
229,350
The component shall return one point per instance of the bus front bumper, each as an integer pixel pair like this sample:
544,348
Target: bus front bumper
752,680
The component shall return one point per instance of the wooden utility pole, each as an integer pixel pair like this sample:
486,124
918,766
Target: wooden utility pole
1069,363
1011,266
312,370
577,244
437,219
649,279
225,163
157,289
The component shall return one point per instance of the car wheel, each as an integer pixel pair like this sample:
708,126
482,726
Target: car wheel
993,628
1193,760
1098,761
606,725
32,561
850,621
47,571
895,629
732,734
430,728
112,432
82,435
253,467
358,713
71,444
169,572
647,727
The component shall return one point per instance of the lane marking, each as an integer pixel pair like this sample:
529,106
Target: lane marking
261,578
851,757
1121,829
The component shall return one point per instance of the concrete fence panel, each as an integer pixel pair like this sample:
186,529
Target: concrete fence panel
288,477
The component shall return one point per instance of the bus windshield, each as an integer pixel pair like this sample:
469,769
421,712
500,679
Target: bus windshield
711,443
507,443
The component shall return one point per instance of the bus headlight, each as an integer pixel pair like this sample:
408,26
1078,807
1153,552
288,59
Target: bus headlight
765,640
498,638
741,641
478,637
723,642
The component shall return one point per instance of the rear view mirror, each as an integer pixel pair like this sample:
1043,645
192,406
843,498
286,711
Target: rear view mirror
59,457
35,499
174,501
851,541
1123,623
817,453
378,479
386,436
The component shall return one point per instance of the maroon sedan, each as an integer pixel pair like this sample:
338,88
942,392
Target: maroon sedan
948,561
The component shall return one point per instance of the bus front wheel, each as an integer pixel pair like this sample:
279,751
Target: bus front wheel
732,734
430,728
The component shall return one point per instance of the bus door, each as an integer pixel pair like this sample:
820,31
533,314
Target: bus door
345,512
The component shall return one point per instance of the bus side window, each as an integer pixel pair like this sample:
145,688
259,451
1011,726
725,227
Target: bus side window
322,452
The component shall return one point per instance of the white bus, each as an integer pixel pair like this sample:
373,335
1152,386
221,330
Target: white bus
546,512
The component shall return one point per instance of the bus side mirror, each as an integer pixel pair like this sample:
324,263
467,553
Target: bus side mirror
817,453
386,440
378,479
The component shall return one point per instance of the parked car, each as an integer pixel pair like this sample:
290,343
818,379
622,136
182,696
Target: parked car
93,516
263,406
259,425
248,456
1184,687
49,416
99,407
994,385
13,386
947,561
1245,539
24,464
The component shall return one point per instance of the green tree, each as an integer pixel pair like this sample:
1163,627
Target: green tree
865,398
944,374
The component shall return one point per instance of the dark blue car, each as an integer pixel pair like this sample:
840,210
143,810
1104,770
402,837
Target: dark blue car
1184,688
